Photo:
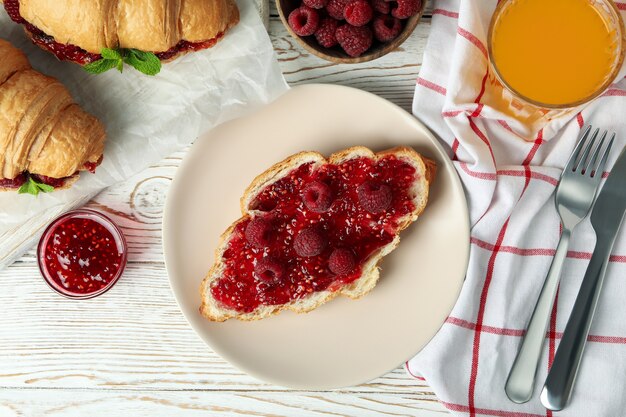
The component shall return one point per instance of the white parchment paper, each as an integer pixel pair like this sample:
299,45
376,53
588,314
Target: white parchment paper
147,118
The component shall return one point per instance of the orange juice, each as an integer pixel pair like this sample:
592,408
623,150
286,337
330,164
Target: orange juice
557,53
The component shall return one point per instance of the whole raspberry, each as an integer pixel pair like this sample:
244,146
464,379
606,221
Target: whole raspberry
325,34
358,13
374,196
13,10
309,242
386,28
317,197
315,4
406,8
381,6
341,261
269,270
259,233
304,21
335,8
354,40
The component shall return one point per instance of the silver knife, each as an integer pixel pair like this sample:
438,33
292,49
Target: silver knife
606,219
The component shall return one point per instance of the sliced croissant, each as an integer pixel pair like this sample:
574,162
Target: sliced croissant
236,288
169,27
43,132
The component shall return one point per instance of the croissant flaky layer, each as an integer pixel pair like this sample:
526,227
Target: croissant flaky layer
42,130
147,25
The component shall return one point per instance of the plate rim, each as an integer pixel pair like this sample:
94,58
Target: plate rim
410,118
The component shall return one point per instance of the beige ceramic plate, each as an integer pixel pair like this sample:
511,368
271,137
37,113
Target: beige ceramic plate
345,342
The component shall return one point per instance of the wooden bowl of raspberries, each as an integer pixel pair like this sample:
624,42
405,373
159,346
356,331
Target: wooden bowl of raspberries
350,31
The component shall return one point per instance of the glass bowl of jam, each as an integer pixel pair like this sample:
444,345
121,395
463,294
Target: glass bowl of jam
82,254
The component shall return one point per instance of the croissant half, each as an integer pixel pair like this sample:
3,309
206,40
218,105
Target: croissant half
43,133
78,30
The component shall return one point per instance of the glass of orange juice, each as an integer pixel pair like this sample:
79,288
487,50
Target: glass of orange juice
555,54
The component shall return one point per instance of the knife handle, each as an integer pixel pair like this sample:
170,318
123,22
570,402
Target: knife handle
560,381
521,381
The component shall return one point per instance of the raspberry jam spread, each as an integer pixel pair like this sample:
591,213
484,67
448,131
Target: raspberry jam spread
313,231
53,182
82,254
186,46
18,181
91,166
69,52
64,52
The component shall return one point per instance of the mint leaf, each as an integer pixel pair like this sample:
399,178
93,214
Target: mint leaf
145,62
44,187
102,65
111,54
111,58
29,187
33,187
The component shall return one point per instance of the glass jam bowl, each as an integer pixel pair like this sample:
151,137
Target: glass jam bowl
82,254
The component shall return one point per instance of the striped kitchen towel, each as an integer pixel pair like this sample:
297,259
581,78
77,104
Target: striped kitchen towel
510,171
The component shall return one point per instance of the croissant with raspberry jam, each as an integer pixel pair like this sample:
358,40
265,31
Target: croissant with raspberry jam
45,138
78,30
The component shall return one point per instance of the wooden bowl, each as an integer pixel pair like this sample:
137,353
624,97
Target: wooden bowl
336,54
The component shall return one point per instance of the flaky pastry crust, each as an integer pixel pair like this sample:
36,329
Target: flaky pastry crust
42,130
425,168
147,25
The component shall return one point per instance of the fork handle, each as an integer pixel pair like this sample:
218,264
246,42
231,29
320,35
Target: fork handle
560,381
521,381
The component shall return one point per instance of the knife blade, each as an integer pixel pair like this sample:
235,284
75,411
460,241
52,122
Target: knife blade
606,218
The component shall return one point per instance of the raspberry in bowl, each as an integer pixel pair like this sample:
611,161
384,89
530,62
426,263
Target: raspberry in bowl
350,31
82,254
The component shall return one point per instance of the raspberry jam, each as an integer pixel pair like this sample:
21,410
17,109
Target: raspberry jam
64,52
12,8
186,46
53,182
82,254
346,226
91,166
16,182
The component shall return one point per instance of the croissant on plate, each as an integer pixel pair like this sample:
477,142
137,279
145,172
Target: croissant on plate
44,135
78,30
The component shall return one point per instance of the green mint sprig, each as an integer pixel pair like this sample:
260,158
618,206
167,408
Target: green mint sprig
34,187
145,62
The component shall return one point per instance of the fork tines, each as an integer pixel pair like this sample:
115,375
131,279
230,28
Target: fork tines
584,159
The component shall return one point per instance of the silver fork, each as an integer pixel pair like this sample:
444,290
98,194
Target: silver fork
575,195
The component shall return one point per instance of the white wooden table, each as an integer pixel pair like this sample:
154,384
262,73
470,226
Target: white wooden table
131,352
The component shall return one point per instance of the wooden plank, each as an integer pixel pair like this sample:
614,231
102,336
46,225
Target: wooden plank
80,403
133,337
